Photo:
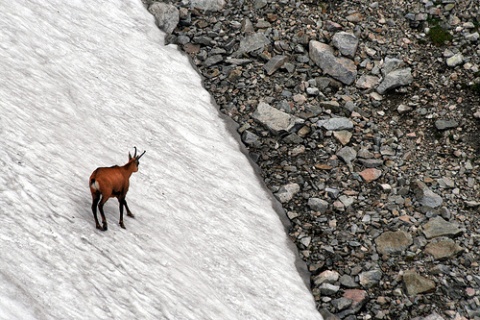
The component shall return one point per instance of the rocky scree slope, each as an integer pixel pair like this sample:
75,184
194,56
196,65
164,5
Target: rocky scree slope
363,118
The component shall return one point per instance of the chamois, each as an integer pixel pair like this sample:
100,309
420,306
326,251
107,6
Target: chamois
109,182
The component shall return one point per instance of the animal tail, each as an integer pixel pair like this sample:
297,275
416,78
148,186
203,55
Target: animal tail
94,185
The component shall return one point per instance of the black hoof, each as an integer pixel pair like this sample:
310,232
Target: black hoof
131,215
122,225
105,227
99,227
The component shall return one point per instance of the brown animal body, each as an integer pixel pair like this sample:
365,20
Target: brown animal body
109,182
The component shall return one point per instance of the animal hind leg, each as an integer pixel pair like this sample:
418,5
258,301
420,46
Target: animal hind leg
104,220
96,199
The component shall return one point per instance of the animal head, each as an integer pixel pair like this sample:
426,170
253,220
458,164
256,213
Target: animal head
134,160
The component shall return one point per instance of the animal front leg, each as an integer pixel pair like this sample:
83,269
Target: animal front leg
129,213
121,202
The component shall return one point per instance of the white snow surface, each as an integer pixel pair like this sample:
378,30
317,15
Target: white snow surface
81,83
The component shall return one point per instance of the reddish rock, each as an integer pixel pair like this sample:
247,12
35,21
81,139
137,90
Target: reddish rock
370,174
470,292
323,166
343,136
358,297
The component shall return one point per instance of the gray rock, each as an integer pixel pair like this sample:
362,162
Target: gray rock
425,196
446,124
274,64
323,82
208,5
402,108
281,45
395,79
258,4
327,276
392,242
320,52
289,67
287,192
446,182
317,204
166,16
438,227
348,281
274,119
367,82
293,138
212,60
365,154
346,200
349,106
251,139
238,62
346,43
251,42
433,316
332,192
181,40
330,105
472,37
203,40
336,124
292,215
369,279
342,69
472,204
247,26
306,241
312,91
327,315
332,26
298,150
415,283
455,60
371,163
328,289
262,24
391,64
347,154
341,303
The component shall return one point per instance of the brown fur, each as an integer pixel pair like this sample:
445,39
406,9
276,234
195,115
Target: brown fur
110,182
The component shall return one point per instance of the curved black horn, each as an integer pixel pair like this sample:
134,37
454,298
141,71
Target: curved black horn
141,154
135,155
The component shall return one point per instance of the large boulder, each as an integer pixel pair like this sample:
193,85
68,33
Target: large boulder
166,16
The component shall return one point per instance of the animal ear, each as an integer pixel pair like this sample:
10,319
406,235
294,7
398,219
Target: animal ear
129,156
